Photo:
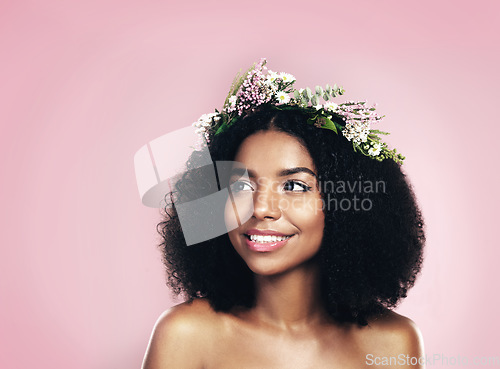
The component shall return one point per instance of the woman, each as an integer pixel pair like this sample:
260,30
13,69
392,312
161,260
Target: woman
333,241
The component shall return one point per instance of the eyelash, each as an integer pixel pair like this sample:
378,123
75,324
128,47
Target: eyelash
305,188
235,184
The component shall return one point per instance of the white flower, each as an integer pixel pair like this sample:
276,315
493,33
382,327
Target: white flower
205,120
356,131
231,105
375,149
271,77
331,106
301,90
282,97
319,106
286,77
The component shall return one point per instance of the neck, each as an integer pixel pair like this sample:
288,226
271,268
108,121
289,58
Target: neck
290,300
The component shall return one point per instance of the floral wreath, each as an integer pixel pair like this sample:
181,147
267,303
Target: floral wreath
259,86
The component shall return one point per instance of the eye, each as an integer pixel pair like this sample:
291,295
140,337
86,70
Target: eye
240,186
295,186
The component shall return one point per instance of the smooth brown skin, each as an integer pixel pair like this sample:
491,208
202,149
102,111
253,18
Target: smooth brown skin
288,328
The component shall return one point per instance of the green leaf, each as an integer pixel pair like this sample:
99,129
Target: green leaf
221,129
374,137
308,93
225,125
339,126
376,131
329,125
312,120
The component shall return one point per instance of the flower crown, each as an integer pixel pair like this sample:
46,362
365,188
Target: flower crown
260,86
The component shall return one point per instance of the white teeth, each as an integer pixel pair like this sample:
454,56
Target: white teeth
264,239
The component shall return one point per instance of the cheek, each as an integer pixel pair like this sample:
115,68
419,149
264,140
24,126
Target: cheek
238,209
229,220
308,216
306,212
232,237
231,225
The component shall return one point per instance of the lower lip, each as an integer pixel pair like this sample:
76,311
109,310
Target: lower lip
265,247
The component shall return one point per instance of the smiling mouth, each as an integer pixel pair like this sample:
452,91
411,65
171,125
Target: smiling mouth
266,238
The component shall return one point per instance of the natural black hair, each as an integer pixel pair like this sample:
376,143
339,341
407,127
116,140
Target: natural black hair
371,252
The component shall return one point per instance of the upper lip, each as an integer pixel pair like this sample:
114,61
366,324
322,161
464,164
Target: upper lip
265,232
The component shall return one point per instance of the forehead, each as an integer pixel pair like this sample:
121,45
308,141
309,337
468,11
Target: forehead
269,151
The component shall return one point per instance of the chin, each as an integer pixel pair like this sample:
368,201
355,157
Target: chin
266,265
266,270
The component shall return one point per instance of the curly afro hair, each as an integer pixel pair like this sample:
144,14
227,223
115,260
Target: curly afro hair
372,249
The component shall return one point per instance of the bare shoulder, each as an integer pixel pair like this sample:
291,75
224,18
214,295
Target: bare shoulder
392,335
186,319
181,337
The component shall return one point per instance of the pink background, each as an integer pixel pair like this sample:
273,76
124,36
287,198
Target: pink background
84,84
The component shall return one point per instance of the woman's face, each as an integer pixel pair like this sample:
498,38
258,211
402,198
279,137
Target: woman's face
286,226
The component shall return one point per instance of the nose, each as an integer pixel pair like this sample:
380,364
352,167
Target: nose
266,204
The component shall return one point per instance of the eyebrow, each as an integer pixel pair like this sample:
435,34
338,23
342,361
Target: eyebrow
282,173
290,171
